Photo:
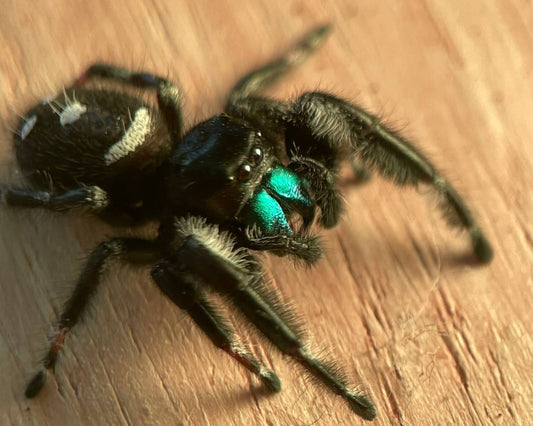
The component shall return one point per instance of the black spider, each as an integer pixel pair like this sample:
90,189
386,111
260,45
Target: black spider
249,179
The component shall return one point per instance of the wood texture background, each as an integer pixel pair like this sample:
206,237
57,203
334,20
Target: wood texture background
433,337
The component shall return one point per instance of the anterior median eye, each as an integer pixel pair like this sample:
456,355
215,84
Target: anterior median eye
244,173
257,155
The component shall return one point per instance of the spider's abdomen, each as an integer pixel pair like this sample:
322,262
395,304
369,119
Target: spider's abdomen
91,137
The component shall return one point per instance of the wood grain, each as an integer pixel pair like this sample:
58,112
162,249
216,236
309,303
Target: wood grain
433,337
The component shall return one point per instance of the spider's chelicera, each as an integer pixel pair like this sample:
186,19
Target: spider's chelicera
256,177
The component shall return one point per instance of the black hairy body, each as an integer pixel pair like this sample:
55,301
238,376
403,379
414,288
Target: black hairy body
253,178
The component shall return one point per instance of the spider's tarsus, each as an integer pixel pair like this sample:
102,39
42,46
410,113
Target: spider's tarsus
36,384
318,34
271,381
309,43
482,248
362,406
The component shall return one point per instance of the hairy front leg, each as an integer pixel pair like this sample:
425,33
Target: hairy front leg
214,259
328,129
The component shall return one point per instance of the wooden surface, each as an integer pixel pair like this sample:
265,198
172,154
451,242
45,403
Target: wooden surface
433,337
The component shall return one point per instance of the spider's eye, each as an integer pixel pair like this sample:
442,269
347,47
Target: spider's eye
257,155
244,173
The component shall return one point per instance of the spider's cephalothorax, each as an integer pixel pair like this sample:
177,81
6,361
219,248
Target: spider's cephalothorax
253,178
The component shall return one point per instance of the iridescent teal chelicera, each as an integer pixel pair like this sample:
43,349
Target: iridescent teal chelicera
290,187
281,187
267,214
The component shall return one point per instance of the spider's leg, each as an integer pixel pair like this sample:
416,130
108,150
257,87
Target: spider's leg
182,289
210,256
168,94
91,197
268,114
275,321
133,250
326,129
263,77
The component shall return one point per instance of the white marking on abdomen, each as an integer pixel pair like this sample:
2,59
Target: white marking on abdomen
133,138
27,127
72,113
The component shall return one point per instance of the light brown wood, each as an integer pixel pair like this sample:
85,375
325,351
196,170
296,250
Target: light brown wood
434,338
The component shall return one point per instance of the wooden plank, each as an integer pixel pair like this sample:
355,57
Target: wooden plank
397,301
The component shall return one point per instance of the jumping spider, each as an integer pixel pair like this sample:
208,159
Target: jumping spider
252,178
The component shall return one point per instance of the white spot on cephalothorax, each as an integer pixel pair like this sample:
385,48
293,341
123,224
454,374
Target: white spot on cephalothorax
27,127
133,137
72,113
